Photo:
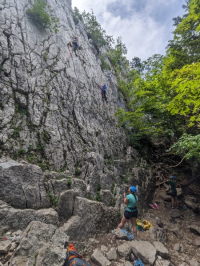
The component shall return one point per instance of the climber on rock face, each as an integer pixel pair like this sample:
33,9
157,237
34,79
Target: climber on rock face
103,88
74,43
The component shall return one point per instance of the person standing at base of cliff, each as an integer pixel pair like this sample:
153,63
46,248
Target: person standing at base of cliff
103,88
174,200
131,212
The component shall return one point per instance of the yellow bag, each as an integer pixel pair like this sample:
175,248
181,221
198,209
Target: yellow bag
144,224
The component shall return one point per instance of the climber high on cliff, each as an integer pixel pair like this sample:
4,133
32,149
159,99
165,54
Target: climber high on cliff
74,43
103,88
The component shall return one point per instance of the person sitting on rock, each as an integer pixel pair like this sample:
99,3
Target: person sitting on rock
73,257
174,200
74,43
131,212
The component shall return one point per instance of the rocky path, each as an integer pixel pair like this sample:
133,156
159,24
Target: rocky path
175,236
174,240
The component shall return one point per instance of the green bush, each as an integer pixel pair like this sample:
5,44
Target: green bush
98,196
45,56
39,14
93,28
104,64
69,182
53,199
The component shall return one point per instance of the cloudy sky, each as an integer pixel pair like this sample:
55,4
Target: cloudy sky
144,25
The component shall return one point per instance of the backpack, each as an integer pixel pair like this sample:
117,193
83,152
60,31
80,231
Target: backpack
104,87
74,258
138,263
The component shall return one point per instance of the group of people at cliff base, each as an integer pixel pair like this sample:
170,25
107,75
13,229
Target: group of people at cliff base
130,214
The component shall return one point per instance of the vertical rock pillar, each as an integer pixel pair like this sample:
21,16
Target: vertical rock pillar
69,2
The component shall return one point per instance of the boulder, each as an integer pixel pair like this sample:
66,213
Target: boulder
176,232
144,250
50,255
178,247
175,214
194,229
159,222
120,234
22,185
161,262
197,242
99,258
19,219
56,187
40,244
127,263
161,249
66,204
192,205
90,218
5,246
112,254
104,248
198,252
124,250
107,197
164,196
158,234
194,263
79,186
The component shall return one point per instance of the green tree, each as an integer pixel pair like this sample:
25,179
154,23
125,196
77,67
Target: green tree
185,47
136,64
95,31
165,97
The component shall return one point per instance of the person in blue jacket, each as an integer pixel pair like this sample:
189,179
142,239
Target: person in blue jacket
131,212
103,88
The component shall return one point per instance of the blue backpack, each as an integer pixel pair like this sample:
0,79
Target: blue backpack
138,263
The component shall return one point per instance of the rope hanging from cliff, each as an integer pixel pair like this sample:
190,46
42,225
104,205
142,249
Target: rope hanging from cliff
69,51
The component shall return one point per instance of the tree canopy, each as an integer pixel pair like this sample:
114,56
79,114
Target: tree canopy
164,99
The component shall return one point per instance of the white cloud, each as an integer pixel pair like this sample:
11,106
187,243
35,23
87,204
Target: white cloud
147,28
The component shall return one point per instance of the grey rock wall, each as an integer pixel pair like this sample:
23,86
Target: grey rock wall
52,115
22,186
51,110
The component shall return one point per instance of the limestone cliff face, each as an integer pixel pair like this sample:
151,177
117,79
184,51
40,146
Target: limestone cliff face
51,110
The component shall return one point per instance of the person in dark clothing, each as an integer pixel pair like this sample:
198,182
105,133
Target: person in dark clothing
74,43
172,184
103,88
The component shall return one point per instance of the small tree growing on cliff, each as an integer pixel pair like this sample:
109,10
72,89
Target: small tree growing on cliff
39,14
